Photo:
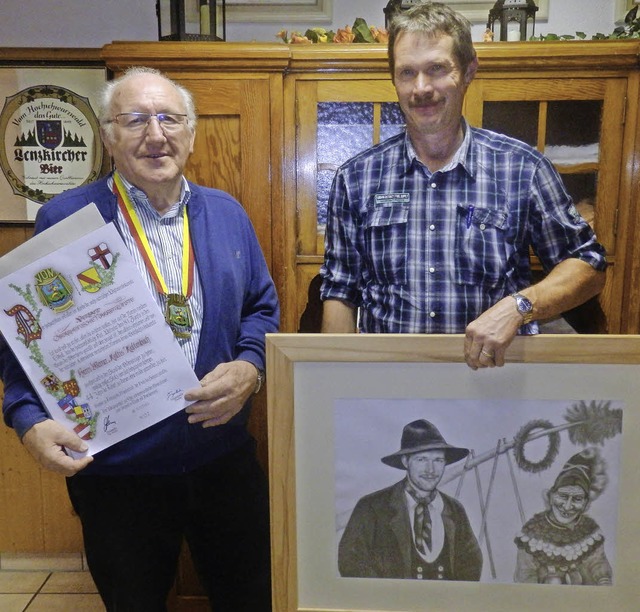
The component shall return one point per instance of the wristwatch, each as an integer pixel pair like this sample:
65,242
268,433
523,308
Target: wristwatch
259,381
524,307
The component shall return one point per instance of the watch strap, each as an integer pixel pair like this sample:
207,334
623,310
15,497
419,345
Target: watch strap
524,307
259,380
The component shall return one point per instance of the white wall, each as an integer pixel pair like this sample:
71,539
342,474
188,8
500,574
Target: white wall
93,23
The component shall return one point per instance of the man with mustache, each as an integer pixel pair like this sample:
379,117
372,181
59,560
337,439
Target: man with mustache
430,231
412,530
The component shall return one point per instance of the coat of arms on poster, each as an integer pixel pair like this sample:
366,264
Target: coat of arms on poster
49,135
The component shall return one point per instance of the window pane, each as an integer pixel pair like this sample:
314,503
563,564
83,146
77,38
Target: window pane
516,119
344,129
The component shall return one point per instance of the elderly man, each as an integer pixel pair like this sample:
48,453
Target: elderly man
430,231
194,475
412,530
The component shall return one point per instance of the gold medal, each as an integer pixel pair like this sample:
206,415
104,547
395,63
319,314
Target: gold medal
178,315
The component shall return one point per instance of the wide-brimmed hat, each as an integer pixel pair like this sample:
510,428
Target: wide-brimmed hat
419,436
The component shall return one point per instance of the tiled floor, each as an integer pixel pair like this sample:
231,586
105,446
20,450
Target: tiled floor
46,591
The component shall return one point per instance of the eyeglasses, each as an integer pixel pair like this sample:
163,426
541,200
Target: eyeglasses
136,122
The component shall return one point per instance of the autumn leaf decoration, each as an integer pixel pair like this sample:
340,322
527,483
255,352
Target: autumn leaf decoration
359,32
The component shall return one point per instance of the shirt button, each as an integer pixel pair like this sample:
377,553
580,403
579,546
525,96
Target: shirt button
483,226
432,314
432,270
432,227
433,185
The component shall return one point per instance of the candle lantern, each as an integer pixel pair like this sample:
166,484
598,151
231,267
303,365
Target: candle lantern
394,6
513,16
191,19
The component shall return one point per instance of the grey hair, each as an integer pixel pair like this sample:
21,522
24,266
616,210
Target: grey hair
434,19
108,90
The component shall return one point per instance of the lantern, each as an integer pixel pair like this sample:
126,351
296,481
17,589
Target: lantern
397,5
513,16
191,19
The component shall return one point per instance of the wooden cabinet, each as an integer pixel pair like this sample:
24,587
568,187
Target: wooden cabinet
576,102
274,123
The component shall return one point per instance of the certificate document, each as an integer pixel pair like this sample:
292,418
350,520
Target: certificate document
90,337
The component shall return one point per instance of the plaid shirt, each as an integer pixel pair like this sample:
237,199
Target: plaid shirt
424,252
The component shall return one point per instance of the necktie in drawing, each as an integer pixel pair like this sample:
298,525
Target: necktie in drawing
422,526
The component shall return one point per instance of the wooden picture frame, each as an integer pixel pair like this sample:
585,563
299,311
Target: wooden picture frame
279,11
477,11
321,11
312,377
622,8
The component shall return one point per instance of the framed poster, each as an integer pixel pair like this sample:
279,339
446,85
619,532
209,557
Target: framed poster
477,11
623,7
279,11
49,134
538,473
308,11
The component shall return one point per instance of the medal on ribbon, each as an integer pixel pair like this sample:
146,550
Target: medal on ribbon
178,315
177,310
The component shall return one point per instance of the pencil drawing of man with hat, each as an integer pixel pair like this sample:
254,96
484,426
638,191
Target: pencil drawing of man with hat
410,529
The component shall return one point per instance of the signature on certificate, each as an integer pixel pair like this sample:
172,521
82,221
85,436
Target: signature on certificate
174,396
108,424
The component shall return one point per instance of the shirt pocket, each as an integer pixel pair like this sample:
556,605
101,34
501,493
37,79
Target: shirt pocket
480,246
385,236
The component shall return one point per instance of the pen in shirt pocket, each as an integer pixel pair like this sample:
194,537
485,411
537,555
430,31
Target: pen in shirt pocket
470,215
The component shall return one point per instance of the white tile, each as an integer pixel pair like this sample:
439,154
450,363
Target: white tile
69,582
14,602
66,562
65,603
21,582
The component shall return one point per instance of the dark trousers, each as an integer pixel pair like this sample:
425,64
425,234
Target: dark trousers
133,528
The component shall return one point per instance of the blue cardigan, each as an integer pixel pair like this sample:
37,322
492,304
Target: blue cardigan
240,306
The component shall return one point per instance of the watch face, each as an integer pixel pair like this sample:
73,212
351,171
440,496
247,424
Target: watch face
524,305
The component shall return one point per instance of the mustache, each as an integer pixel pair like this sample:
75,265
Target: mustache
423,101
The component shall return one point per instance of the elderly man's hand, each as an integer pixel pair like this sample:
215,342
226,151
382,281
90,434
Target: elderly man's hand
47,440
488,337
222,394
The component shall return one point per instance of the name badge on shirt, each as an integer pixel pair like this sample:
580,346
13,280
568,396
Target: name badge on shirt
389,199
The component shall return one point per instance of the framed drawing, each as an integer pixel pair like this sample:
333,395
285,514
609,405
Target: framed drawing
623,7
321,11
477,11
279,11
530,472
49,132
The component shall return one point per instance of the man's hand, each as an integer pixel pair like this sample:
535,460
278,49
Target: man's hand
571,283
46,442
222,394
488,337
